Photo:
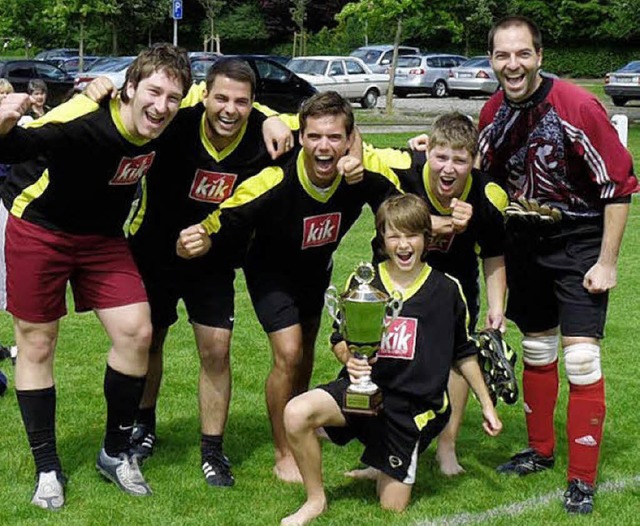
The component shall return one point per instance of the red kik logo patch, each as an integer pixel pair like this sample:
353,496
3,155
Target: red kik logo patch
399,341
132,169
212,187
321,230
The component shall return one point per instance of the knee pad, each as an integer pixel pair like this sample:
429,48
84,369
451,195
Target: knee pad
539,350
582,363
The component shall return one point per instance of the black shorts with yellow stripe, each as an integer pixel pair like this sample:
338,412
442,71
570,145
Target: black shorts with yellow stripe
393,438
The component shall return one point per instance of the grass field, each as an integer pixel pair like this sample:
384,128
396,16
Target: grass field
181,497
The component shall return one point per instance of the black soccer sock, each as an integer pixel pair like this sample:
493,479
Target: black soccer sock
210,444
147,417
38,409
123,394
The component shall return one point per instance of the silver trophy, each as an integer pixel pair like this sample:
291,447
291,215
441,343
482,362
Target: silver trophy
363,313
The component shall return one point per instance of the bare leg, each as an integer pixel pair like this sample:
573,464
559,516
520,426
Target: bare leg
446,451
286,345
310,329
302,416
154,373
394,495
34,362
214,388
367,473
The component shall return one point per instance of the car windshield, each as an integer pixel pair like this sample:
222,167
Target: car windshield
476,62
368,56
408,62
308,67
631,67
117,64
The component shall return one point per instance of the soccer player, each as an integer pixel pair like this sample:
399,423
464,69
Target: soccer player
413,378
297,213
67,203
468,223
215,146
570,180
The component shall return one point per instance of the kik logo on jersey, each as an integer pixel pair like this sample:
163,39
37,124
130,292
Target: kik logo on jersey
132,169
399,341
441,242
212,187
321,230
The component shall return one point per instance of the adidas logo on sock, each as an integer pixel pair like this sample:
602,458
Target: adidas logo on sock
586,440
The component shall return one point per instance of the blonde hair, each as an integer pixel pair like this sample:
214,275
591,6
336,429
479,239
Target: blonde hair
5,86
454,130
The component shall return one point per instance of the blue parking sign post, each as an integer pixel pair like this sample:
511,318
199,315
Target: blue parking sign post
176,15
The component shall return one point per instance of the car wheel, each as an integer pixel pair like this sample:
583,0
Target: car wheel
440,89
370,99
619,101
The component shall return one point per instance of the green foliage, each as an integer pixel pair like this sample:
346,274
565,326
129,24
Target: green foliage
587,61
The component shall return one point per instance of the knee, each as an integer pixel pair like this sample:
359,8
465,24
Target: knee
214,352
36,345
539,350
287,356
296,417
582,363
136,333
396,503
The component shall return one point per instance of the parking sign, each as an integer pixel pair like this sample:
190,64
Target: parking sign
177,9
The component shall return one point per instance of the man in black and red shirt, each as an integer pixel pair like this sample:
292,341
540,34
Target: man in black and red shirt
570,180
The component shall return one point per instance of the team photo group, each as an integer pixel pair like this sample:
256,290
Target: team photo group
128,195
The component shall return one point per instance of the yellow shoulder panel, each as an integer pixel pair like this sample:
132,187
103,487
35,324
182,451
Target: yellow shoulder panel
496,196
72,109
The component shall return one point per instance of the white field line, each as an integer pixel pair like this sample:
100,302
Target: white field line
517,508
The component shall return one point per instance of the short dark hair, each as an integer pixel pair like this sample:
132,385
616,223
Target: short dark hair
234,68
515,21
36,84
327,103
168,58
454,130
409,214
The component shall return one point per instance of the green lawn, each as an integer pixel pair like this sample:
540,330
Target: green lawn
181,496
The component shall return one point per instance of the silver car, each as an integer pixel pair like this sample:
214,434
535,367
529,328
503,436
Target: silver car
473,77
425,74
624,84
349,76
378,58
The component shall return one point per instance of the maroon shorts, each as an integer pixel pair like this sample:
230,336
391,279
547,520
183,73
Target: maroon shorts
40,262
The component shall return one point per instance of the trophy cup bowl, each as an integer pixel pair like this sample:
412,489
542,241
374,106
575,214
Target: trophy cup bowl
362,314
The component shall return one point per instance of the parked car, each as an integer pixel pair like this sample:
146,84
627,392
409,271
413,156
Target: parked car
115,69
20,72
378,58
349,76
623,84
473,77
276,86
63,52
425,74
72,65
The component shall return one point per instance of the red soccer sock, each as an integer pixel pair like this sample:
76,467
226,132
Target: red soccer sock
585,422
540,389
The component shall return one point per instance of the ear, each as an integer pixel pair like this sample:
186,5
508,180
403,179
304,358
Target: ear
539,58
131,90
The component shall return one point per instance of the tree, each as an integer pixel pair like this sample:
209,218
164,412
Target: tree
212,9
389,12
147,14
299,16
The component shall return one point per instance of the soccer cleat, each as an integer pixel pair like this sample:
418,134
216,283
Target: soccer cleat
142,442
579,497
123,471
49,491
526,462
217,469
497,361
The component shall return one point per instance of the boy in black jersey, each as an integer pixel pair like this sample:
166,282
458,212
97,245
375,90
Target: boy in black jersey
411,371
467,214
297,213
67,203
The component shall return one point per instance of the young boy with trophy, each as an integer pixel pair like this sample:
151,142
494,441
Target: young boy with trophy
412,374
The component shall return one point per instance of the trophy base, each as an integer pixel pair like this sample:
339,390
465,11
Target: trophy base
362,403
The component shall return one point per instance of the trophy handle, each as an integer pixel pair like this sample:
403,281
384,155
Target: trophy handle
332,303
395,306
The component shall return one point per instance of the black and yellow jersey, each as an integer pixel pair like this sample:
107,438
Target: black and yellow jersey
424,341
79,169
456,254
190,178
295,226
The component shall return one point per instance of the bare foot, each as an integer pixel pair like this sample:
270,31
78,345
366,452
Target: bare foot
448,461
287,470
367,473
309,511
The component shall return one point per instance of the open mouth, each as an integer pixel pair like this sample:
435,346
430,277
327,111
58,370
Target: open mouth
324,162
447,182
227,123
405,257
156,121
514,82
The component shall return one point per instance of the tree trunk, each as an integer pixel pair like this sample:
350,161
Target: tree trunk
81,48
392,71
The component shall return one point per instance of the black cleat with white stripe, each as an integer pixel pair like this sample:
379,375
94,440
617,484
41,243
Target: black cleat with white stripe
526,462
